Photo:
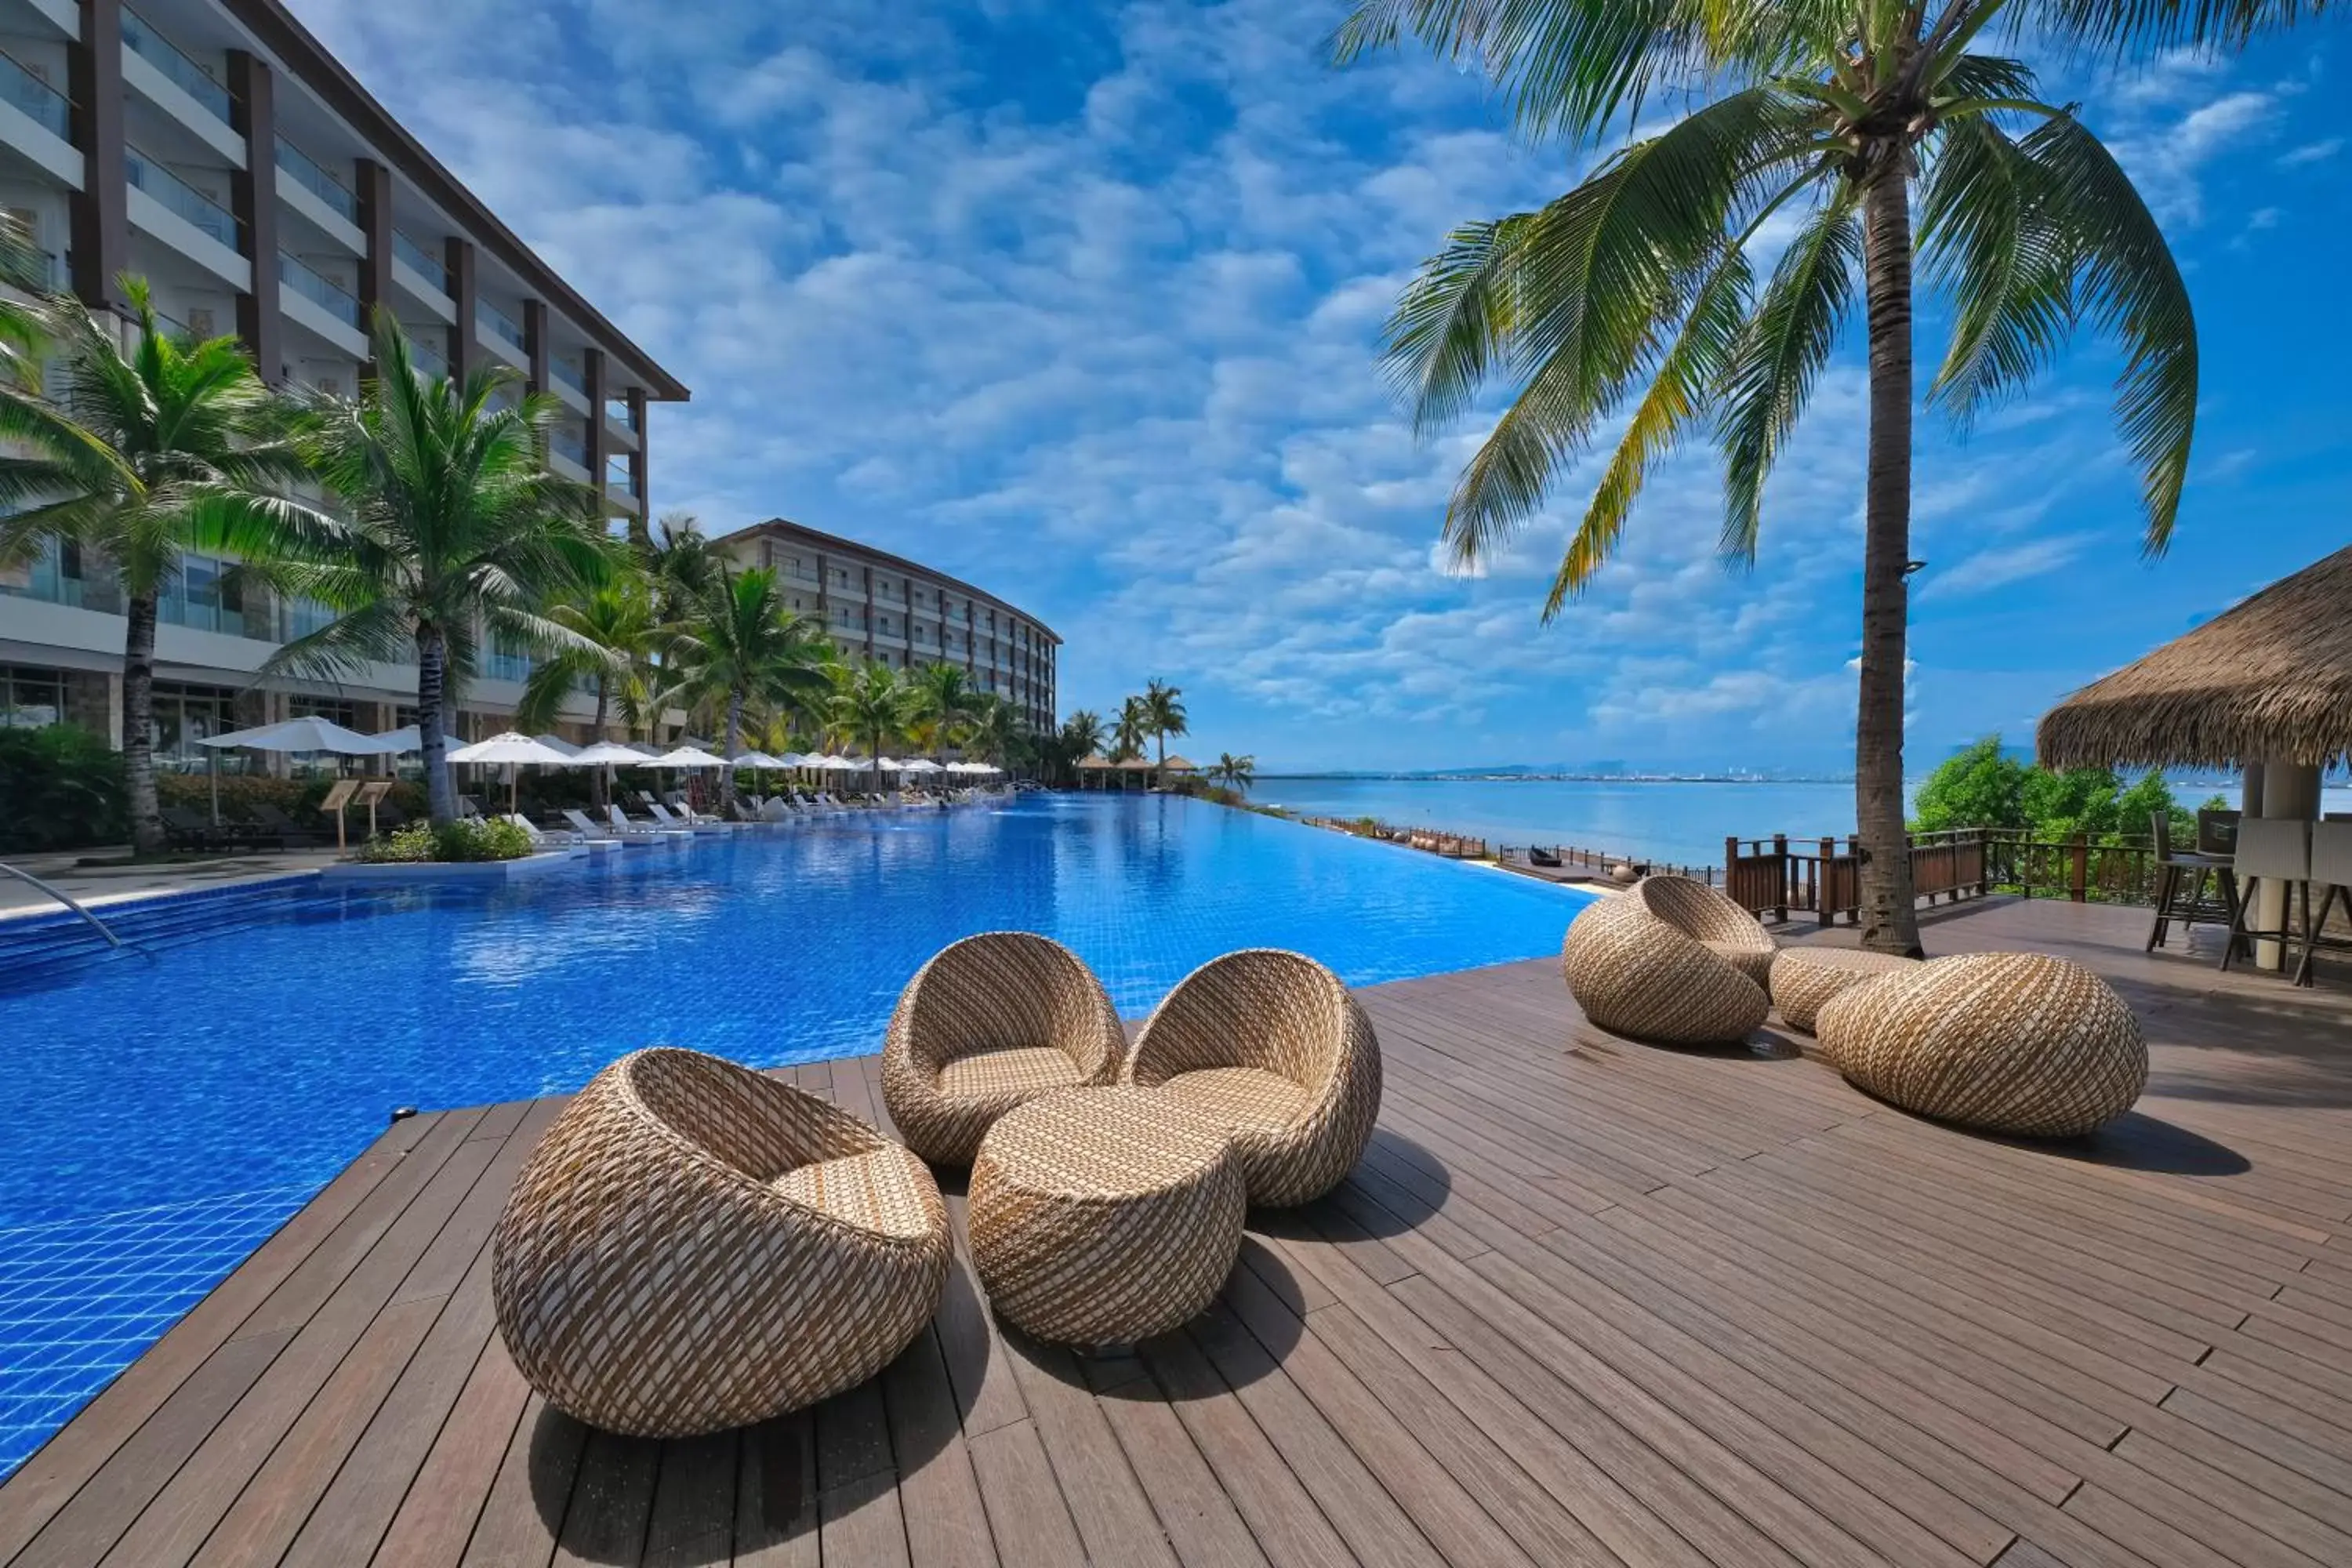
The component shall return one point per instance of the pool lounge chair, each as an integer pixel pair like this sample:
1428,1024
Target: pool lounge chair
185,829
695,1247
585,828
545,838
624,824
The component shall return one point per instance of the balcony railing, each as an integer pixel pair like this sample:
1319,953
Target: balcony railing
427,359
167,57
617,409
499,322
432,268
39,100
570,443
178,197
570,374
320,290
313,177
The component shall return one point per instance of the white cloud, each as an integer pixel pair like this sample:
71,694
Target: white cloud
2312,151
2002,566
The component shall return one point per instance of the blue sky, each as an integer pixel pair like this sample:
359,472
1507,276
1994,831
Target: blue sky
1082,302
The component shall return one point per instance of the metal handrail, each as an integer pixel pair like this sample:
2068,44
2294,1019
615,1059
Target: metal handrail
63,898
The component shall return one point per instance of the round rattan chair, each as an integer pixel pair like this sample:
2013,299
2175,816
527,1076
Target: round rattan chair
1805,978
1637,973
1711,919
1105,1216
694,1245
1270,1045
990,1023
2007,1042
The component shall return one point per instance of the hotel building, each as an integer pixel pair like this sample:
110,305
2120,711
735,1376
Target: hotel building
214,148
885,609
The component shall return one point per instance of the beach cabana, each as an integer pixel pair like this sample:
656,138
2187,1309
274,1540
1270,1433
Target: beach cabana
2264,687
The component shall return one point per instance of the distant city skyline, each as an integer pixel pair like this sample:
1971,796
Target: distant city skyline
1083,302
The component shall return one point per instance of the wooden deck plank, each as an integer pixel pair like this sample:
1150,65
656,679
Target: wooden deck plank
1585,1301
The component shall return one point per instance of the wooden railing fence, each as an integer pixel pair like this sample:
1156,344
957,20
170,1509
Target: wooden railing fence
1784,878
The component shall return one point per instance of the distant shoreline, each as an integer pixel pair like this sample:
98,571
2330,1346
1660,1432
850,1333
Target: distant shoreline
1565,778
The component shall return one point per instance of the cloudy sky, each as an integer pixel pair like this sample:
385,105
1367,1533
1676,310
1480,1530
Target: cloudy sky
1081,302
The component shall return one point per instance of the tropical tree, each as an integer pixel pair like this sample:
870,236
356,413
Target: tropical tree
873,706
1082,733
994,731
1635,294
617,633
680,563
1127,735
456,531
945,700
1164,712
740,646
1233,772
141,456
25,327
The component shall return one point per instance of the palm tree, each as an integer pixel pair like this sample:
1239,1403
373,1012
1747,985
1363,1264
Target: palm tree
458,530
1082,733
740,646
615,625
1163,709
1127,735
1233,772
146,456
945,700
25,329
873,706
681,562
1634,292
994,731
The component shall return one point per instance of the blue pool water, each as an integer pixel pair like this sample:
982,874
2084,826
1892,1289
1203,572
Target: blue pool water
191,1103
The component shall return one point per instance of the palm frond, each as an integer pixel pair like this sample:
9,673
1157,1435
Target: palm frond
2142,29
1987,239
1783,348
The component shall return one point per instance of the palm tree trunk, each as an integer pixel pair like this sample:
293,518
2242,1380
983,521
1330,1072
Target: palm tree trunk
596,793
1889,921
734,745
139,725
432,680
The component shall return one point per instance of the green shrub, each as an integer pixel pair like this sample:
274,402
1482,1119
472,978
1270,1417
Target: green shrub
64,790
469,839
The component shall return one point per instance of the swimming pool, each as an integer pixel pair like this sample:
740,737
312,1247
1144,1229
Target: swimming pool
189,1103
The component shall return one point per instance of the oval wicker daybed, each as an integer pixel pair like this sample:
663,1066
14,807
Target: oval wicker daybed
1670,960
694,1245
990,1023
2007,1042
1270,1045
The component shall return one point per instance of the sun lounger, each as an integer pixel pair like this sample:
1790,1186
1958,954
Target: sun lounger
623,824
545,837
585,828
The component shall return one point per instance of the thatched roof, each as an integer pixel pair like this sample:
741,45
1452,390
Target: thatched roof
2268,679
1096,762
1179,765
1137,764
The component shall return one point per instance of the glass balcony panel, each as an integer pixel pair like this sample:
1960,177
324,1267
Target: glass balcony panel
426,354
37,99
166,56
571,443
313,177
432,268
570,374
499,322
178,197
318,289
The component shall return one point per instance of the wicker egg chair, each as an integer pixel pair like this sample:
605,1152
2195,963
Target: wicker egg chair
1634,973
694,1245
2019,1043
1712,920
990,1023
1269,1044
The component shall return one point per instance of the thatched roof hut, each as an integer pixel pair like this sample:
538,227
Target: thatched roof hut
1093,762
2268,680
1177,764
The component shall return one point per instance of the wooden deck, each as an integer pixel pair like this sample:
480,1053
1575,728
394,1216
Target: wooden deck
1585,1302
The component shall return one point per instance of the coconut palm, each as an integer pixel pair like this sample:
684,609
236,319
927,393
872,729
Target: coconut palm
872,706
617,633
25,327
946,701
1082,733
994,732
737,646
1635,294
1127,735
146,456
681,562
457,532
1163,710
1233,772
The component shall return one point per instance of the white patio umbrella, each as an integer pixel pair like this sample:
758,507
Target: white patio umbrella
759,760
307,733
558,744
611,753
513,749
920,765
687,757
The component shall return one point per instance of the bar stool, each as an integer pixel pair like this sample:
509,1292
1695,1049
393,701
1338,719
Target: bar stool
2180,885
2272,849
2331,868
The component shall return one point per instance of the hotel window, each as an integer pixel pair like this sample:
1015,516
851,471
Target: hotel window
184,715
31,699
205,597
506,659
334,711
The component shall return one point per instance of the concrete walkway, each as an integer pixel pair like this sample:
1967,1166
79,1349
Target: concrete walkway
106,876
